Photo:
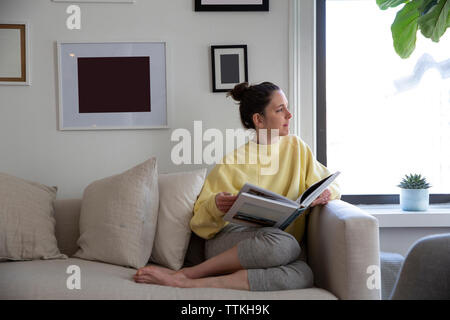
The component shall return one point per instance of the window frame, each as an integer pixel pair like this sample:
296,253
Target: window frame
321,116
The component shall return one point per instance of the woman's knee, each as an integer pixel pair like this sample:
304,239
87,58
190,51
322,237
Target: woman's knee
270,247
303,275
284,247
296,275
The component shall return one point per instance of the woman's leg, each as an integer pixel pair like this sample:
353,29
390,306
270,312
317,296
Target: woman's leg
236,280
269,255
256,247
224,263
295,275
238,247
221,255
235,249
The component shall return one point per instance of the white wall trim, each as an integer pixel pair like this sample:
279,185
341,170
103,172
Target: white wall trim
294,63
391,215
302,71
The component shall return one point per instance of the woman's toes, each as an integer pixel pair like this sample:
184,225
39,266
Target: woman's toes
143,270
163,276
144,279
151,269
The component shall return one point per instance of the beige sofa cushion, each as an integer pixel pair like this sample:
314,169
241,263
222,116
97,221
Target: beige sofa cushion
27,223
118,217
177,195
49,280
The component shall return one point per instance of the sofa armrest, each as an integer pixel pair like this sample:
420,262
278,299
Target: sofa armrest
343,251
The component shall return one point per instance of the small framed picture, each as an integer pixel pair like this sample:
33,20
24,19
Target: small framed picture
229,66
231,5
14,54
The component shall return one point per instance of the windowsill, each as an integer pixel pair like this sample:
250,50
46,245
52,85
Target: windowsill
392,216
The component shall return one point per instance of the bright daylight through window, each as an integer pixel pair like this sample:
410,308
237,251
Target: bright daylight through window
386,117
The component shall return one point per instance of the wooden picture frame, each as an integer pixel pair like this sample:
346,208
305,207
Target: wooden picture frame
14,54
112,85
229,66
231,5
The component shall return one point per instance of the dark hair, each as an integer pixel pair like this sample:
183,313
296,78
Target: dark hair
252,99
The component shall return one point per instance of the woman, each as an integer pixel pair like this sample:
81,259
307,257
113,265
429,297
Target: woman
252,258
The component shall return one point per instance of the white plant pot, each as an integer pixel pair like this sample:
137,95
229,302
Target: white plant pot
414,199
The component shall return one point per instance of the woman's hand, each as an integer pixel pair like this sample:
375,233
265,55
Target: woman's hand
322,199
224,201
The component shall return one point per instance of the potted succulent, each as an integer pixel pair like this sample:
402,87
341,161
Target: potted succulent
414,194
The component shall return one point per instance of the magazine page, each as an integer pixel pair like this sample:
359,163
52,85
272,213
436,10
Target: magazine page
316,190
252,210
257,191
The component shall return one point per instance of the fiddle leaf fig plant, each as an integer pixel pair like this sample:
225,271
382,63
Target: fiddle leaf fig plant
431,17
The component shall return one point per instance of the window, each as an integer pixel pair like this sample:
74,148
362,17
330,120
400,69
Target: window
379,116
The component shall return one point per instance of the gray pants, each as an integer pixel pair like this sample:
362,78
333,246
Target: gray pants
270,255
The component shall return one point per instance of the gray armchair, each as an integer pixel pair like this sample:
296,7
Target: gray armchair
425,272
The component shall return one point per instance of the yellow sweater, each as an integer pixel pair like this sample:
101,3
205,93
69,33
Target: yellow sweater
287,167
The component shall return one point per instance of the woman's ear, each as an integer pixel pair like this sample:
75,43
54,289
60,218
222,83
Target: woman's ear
258,120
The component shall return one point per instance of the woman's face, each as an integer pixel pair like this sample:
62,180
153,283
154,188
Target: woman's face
276,115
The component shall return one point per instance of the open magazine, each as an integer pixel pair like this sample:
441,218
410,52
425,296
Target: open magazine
259,207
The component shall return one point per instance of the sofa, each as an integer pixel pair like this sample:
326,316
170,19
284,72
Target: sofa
341,246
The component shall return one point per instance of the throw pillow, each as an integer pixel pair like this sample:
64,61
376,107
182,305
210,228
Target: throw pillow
177,195
27,222
118,217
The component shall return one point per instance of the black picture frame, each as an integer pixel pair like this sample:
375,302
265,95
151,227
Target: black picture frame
231,7
229,66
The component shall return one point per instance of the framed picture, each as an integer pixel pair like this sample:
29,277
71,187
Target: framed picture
14,54
96,1
112,85
229,66
231,5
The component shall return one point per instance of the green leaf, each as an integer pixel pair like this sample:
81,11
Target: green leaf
448,21
386,4
427,5
435,22
404,28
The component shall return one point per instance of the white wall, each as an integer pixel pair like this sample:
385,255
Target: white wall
32,148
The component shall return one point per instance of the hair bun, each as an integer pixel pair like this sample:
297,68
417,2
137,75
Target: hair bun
237,93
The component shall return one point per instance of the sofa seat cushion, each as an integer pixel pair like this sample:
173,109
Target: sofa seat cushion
39,279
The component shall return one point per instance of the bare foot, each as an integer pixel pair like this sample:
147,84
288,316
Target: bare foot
188,273
147,269
145,278
177,279
161,277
